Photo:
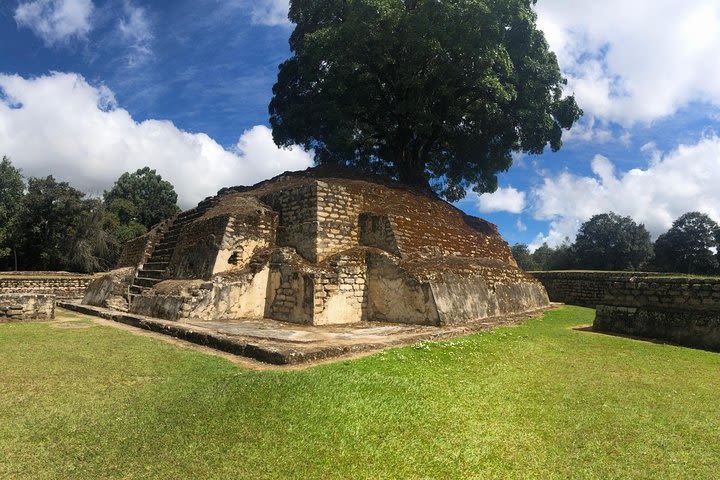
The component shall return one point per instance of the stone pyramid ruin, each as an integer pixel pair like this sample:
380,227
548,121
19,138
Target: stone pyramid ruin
318,247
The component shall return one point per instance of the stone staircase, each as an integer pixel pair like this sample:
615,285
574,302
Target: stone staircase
154,268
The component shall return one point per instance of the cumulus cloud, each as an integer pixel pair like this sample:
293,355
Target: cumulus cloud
56,21
503,200
59,124
682,180
136,32
635,61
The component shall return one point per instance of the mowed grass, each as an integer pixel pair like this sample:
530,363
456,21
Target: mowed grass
541,400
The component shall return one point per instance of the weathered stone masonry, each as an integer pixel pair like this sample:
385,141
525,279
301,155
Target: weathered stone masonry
682,310
65,287
22,307
323,247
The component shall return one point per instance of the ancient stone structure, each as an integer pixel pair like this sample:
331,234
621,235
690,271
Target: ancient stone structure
583,288
651,305
320,247
59,284
22,307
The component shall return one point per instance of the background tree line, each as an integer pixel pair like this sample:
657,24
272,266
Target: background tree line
611,242
50,225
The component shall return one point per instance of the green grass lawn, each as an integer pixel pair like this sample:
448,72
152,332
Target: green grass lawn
537,401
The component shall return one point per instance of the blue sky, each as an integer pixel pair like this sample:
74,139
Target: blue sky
92,88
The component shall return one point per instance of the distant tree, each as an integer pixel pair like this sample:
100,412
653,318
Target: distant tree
12,187
60,229
153,199
611,242
561,257
523,257
421,90
689,246
541,256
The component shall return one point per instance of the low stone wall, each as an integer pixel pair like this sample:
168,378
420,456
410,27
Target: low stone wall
61,285
22,307
690,328
586,289
651,305
681,310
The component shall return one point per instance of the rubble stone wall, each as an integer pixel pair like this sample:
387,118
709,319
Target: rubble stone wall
65,287
586,289
21,307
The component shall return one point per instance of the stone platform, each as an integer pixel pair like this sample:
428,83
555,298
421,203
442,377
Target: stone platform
281,343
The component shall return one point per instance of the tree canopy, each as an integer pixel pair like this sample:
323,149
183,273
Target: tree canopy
610,242
142,197
421,90
60,229
12,187
689,246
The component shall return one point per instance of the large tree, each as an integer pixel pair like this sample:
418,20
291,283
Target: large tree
611,242
61,230
689,246
523,257
12,186
421,90
151,199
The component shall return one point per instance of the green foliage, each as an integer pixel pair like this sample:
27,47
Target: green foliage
523,257
611,242
142,197
688,246
12,187
421,90
538,401
60,229
559,258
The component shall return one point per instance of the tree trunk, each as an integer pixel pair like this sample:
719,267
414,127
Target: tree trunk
411,170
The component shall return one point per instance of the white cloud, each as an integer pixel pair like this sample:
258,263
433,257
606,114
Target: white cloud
270,12
673,183
635,61
56,21
59,124
136,31
503,200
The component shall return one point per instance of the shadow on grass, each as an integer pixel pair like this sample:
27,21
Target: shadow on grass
656,341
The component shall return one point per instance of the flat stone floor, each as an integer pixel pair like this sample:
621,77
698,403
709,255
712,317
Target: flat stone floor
281,343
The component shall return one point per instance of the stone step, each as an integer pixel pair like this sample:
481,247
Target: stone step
147,273
159,259
162,251
137,290
145,282
155,265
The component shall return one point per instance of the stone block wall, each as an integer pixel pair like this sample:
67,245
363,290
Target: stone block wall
65,287
21,307
298,224
651,305
197,249
681,310
585,289
376,231
338,212
136,251
341,292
